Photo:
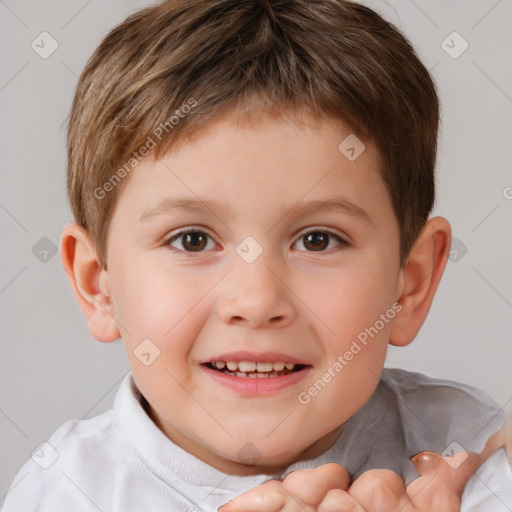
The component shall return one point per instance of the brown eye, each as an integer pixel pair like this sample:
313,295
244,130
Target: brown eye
190,241
195,241
316,241
321,241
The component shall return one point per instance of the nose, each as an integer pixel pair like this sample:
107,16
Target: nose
257,296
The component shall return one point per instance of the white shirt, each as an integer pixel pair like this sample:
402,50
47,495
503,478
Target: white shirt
120,461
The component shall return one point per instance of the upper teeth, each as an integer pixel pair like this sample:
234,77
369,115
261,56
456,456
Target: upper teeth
252,366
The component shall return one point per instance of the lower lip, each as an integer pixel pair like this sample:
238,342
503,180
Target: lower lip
256,385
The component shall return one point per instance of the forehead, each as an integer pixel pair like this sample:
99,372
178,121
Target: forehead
254,162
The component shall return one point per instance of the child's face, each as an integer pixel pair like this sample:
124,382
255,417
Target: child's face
292,304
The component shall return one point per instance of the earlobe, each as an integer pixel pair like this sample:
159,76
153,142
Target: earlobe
89,282
420,278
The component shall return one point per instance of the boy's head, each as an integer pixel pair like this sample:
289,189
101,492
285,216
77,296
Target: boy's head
251,182
171,68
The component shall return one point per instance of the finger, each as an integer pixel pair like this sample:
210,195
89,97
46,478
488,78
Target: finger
267,497
427,463
311,485
433,492
455,470
442,480
380,490
502,438
337,500
507,437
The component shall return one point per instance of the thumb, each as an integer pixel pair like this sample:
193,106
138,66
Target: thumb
452,472
427,463
440,485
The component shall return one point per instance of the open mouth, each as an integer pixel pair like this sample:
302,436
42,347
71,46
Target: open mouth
254,370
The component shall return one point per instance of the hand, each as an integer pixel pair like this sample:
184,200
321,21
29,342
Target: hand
326,489
438,489
323,489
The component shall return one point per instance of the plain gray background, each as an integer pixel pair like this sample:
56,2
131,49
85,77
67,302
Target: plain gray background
52,370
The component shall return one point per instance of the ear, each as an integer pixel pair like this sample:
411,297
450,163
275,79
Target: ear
89,282
419,279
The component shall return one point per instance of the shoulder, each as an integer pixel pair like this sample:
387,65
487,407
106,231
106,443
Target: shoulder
77,440
77,461
49,474
417,389
439,413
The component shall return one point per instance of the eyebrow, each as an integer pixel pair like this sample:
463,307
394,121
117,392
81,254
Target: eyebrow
222,210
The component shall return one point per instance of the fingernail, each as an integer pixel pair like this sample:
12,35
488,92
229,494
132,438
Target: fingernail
426,462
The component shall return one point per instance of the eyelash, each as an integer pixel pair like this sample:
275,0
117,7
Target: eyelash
180,234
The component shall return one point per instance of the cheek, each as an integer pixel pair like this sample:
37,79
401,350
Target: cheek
160,305
358,308
167,309
353,300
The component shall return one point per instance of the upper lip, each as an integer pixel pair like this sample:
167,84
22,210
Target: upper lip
263,357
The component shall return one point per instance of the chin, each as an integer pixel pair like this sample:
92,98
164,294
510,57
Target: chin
252,461
264,454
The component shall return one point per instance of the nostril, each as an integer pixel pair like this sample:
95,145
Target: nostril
272,320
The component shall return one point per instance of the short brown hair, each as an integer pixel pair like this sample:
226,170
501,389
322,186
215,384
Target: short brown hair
335,58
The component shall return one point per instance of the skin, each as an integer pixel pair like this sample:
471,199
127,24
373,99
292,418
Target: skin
307,304
328,489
